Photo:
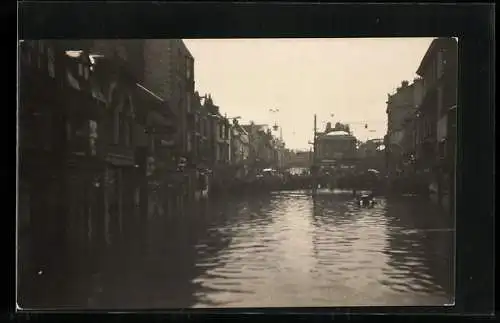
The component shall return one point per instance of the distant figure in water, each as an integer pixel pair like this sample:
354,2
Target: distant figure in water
365,199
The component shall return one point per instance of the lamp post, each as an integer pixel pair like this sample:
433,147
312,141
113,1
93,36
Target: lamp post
275,128
276,124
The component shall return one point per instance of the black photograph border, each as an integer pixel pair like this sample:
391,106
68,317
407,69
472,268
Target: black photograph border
473,24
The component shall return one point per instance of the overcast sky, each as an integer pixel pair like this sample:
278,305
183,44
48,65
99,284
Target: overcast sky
349,78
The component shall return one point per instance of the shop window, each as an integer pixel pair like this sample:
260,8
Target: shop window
116,126
131,131
69,134
127,131
442,149
188,102
188,141
122,128
131,119
28,56
93,137
116,117
152,144
50,62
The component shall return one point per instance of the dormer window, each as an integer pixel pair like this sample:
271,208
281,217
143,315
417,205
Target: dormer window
128,126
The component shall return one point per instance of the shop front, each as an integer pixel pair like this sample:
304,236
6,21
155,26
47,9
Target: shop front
119,192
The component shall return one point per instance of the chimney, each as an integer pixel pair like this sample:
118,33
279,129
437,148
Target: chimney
328,127
404,84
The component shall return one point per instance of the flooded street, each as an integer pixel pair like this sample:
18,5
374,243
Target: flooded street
288,249
144,185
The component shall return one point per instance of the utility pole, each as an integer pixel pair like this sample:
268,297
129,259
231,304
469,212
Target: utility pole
314,140
314,170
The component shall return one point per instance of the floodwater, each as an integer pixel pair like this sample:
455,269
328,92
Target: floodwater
287,249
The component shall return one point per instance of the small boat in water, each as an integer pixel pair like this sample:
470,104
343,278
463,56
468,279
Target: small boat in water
364,198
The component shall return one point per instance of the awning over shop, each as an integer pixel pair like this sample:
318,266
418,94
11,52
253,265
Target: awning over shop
167,142
120,160
154,102
119,156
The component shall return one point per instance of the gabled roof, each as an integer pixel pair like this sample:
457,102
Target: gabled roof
247,128
240,128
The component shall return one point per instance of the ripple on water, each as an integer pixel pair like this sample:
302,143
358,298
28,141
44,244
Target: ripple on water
292,250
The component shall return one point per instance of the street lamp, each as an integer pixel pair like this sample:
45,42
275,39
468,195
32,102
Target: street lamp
276,126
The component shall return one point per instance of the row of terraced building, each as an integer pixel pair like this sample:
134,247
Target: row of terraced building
113,138
421,136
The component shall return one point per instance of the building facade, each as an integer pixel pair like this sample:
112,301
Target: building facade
155,158
86,143
400,141
240,149
436,137
262,150
335,146
42,233
166,67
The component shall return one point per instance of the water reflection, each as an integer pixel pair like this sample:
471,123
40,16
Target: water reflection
299,250
420,250
348,243
286,249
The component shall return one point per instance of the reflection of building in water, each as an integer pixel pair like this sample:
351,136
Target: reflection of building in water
420,250
348,241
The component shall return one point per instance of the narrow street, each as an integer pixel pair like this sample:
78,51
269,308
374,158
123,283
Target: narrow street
288,249
143,186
